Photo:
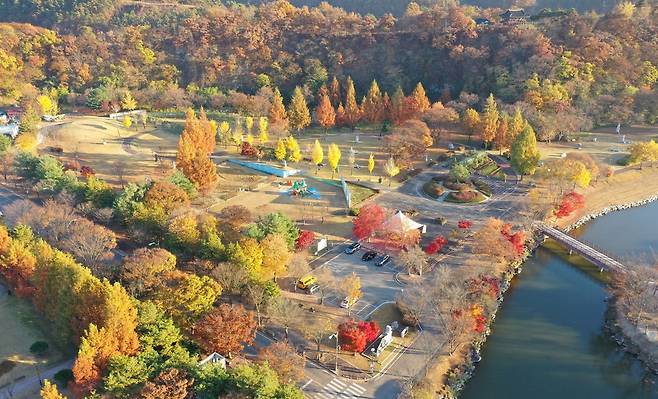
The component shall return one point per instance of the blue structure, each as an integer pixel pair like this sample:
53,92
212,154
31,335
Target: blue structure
270,170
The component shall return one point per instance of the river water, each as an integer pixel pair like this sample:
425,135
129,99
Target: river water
548,339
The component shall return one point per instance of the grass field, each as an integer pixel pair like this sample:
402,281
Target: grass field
20,329
110,149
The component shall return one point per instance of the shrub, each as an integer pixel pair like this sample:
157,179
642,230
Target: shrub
464,196
436,245
250,151
87,171
457,186
62,377
570,202
483,187
464,224
305,240
39,348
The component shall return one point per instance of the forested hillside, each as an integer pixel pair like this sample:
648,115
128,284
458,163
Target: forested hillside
587,68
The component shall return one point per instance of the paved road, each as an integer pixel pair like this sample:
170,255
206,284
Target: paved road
33,382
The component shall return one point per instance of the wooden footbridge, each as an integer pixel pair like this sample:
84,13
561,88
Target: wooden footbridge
586,250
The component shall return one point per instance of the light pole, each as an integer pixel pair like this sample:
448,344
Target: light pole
332,336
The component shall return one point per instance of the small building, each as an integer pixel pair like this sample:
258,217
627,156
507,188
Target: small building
482,21
513,15
214,358
10,129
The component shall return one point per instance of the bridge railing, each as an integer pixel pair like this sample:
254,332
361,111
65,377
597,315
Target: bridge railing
548,231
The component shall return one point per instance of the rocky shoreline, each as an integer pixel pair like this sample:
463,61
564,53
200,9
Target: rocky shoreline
458,376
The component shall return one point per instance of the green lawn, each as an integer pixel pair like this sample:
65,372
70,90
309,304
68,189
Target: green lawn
360,193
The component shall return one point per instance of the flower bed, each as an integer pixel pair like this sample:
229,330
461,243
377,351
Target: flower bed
433,189
466,197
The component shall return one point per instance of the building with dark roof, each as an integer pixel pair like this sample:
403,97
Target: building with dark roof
513,15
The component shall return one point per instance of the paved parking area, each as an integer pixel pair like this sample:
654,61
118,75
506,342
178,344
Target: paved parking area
378,284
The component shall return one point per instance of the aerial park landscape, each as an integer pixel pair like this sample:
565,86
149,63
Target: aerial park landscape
276,200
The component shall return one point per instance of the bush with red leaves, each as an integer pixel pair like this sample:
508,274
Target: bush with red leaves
305,240
370,329
87,171
464,224
516,239
570,203
480,324
436,245
370,220
250,151
351,338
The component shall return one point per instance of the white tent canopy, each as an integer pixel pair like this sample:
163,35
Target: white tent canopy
402,223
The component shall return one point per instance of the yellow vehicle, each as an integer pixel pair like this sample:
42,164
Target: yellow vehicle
306,282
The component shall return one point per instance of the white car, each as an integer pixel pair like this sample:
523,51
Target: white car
348,302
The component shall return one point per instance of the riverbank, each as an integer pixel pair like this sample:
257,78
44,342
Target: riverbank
629,189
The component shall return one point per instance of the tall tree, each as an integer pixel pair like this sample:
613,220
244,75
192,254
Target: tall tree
128,102
373,105
525,155
317,155
298,114
370,220
249,123
334,92
516,125
278,110
324,112
194,148
333,157
471,121
371,163
490,120
352,110
281,357
170,384
420,101
401,108
294,152
50,391
391,170
502,139
225,330
280,150
263,136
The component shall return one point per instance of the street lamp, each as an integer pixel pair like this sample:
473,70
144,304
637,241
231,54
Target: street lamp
332,336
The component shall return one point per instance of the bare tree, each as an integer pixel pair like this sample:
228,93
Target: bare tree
259,297
285,312
414,260
298,267
89,242
231,277
119,168
326,280
317,330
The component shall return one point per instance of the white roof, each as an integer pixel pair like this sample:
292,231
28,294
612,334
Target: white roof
400,222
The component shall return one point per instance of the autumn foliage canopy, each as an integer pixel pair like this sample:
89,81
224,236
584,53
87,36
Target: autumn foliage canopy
355,336
570,203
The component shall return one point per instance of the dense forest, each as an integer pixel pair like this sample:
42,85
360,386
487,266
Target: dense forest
585,67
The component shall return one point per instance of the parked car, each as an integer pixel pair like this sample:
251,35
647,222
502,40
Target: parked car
306,282
313,289
355,246
383,260
348,302
368,256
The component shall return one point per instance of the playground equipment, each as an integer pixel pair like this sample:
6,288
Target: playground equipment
300,189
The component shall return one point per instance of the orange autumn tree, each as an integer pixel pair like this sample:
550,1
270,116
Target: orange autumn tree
352,110
373,105
420,101
112,333
278,110
324,112
194,149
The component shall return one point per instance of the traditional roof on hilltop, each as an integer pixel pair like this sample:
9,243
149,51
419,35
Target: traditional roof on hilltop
513,13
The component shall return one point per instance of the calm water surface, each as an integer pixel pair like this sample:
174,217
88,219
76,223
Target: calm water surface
548,340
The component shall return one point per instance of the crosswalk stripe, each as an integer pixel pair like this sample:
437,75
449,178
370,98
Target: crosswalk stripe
323,395
356,389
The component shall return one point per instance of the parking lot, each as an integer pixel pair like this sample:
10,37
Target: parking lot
378,284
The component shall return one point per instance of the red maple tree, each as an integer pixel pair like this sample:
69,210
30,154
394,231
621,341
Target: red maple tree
464,224
304,240
370,329
351,338
436,245
371,219
570,202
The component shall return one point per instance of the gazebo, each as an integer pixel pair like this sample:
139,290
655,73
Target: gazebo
402,224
